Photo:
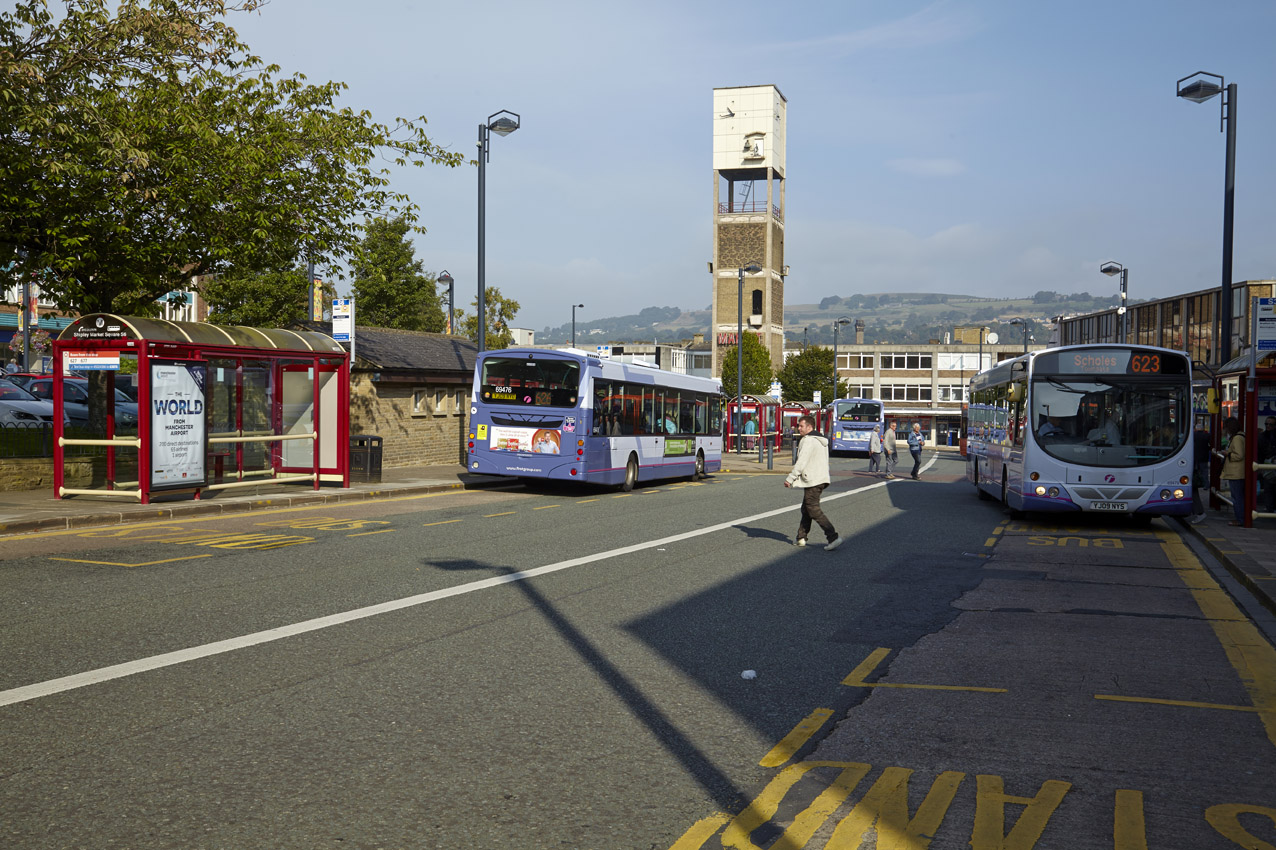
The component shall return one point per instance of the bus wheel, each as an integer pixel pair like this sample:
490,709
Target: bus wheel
631,474
699,473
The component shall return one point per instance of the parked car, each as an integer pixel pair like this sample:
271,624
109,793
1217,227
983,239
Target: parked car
22,378
19,407
75,400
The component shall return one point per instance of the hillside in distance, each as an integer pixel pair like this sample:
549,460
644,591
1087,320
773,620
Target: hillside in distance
891,317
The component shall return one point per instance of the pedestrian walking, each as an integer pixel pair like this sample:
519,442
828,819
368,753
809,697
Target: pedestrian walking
916,439
811,473
1234,468
875,450
889,450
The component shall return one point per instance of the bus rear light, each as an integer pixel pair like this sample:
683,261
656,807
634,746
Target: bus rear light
579,452
580,442
573,471
470,444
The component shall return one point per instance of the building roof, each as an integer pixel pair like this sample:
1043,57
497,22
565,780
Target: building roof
399,350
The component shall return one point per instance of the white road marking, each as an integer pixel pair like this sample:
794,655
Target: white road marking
194,653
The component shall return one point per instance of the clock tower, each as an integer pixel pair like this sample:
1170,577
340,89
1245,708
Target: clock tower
748,219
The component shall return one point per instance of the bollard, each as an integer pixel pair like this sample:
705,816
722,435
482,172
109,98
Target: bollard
761,448
770,457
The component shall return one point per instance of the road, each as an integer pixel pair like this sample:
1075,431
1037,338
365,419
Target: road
541,668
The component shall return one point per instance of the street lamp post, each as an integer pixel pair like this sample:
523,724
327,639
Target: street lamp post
446,279
804,336
836,327
1123,314
1024,324
574,306
502,124
1199,91
751,268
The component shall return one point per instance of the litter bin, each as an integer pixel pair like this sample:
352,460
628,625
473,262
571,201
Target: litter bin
365,458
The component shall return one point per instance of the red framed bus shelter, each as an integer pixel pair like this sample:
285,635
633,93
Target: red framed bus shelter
217,407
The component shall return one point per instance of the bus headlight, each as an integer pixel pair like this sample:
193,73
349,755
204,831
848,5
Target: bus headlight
1041,490
1054,492
1165,495
1178,494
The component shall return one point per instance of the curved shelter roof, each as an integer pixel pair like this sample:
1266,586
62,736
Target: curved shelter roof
105,327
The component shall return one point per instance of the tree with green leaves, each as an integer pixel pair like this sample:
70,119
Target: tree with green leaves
143,144
269,299
808,372
757,367
499,312
390,289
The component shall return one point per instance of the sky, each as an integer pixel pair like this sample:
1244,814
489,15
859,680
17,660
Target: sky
987,147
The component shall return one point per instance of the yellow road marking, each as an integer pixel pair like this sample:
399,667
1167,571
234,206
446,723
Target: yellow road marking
265,512
507,513
1253,658
1128,829
143,564
366,533
855,679
792,742
1179,702
546,507
586,501
440,522
700,832
622,495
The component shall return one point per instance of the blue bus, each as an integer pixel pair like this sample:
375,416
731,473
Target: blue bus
851,422
568,416
1093,428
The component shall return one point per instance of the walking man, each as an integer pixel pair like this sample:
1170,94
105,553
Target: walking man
875,450
811,473
916,439
889,450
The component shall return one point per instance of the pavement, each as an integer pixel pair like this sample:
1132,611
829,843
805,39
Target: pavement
1249,554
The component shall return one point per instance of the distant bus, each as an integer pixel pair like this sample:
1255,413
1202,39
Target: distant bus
851,422
1095,428
569,416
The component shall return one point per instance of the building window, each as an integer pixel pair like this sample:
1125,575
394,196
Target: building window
420,402
906,361
906,392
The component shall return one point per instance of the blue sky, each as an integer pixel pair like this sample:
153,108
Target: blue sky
991,147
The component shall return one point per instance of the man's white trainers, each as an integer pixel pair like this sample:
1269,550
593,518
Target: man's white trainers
801,541
834,543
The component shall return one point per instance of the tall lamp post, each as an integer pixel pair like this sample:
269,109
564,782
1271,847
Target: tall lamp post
837,326
446,279
574,306
751,268
1024,324
24,313
502,124
1123,316
1200,90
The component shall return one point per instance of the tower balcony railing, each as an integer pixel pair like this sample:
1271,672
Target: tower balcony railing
745,207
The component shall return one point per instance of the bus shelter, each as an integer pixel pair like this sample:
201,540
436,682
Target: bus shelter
1246,388
216,408
759,417
791,411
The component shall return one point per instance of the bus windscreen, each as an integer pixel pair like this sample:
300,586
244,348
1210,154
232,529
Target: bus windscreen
541,382
859,412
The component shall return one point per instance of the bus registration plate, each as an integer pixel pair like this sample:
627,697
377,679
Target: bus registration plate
1107,506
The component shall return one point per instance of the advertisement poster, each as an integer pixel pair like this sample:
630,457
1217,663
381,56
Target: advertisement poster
179,440
535,440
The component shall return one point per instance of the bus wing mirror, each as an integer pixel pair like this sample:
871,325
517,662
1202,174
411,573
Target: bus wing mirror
1211,400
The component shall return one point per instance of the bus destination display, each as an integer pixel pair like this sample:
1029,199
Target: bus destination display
1100,361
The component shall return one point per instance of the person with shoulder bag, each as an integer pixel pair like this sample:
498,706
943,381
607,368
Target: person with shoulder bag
1234,468
916,440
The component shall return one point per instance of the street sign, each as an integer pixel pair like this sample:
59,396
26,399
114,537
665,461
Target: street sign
817,397
93,361
1265,334
342,319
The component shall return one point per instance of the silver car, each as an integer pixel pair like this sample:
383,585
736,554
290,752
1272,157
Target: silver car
75,401
19,407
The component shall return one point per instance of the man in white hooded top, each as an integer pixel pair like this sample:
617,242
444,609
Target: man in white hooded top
811,473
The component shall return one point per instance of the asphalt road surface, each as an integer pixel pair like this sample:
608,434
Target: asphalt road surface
558,668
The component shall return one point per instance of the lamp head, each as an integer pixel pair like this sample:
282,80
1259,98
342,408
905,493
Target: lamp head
1200,90
1111,269
504,122
445,278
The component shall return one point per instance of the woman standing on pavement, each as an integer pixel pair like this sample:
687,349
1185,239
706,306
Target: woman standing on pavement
1234,468
889,450
875,450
